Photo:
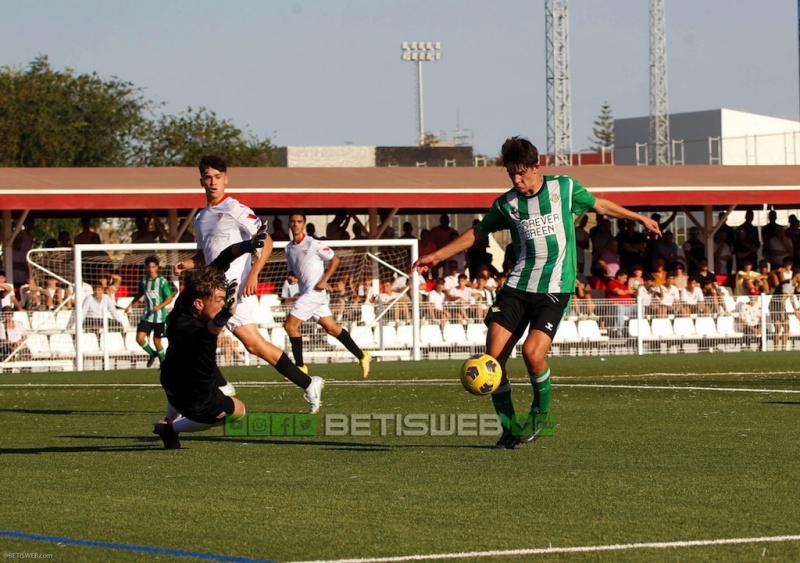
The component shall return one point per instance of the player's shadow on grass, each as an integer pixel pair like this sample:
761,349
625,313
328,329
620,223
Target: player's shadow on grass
153,442
79,412
73,449
327,444
782,402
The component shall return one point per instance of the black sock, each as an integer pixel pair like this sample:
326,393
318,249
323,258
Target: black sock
291,372
348,343
297,349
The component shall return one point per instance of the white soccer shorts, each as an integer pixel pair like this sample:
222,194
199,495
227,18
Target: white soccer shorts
244,313
311,304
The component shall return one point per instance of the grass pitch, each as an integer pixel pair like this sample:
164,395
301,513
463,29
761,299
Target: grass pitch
648,449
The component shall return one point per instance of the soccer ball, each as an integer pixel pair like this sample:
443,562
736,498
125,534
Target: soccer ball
481,374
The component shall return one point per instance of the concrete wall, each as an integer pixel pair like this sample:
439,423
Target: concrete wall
746,138
430,156
345,156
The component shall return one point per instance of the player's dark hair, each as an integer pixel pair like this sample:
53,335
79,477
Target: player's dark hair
519,151
203,282
212,161
152,259
297,212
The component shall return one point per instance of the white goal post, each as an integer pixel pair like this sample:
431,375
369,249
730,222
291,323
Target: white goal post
364,265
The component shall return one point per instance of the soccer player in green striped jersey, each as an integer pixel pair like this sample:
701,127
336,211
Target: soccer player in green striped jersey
157,293
538,211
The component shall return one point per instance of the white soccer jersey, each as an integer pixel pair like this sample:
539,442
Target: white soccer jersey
219,226
306,260
669,295
437,299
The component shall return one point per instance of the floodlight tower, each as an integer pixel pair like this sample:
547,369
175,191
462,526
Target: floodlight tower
559,108
420,52
659,113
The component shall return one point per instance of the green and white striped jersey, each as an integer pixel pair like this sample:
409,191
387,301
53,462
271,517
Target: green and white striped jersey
542,233
154,292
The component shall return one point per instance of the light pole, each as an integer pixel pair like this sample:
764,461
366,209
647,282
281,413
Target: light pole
420,52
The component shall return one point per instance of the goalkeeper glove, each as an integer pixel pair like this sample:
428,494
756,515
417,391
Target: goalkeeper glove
259,240
229,308
252,246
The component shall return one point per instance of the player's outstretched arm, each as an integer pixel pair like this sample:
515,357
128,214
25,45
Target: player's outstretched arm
253,246
463,242
608,207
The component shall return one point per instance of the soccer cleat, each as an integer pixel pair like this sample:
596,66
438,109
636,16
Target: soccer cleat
163,428
313,393
507,441
303,368
364,362
151,360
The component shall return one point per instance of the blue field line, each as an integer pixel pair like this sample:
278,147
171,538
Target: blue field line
126,547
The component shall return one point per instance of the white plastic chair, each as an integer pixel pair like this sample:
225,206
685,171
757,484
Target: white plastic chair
113,343
638,327
476,333
39,347
662,329
43,321
589,330
389,334
455,334
567,331
430,335
22,318
62,346
684,328
706,327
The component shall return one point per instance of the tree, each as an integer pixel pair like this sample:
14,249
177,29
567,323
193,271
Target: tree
603,129
430,140
183,139
60,118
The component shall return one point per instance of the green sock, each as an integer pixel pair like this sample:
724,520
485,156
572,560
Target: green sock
162,354
146,348
541,392
504,407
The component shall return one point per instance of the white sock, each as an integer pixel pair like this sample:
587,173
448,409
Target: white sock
172,413
186,425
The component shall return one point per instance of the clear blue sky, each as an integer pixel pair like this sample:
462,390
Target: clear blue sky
327,72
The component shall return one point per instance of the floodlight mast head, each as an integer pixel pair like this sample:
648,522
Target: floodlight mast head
419,52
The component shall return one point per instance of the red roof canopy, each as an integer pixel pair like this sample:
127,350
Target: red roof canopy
89,191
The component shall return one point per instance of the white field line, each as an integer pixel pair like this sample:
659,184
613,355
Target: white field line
401,383
552,550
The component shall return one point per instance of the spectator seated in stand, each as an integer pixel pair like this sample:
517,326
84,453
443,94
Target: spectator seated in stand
621,296
483,296
582,301
95,305
460,299
747,279
693,300
435,305
400,310
749,321
681,279
666,297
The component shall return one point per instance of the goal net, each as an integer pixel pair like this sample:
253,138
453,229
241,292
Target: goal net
372,295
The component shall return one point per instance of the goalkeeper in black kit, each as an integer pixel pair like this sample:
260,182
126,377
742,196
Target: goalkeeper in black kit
190,375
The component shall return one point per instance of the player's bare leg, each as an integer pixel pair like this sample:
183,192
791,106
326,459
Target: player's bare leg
342,335
255,344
